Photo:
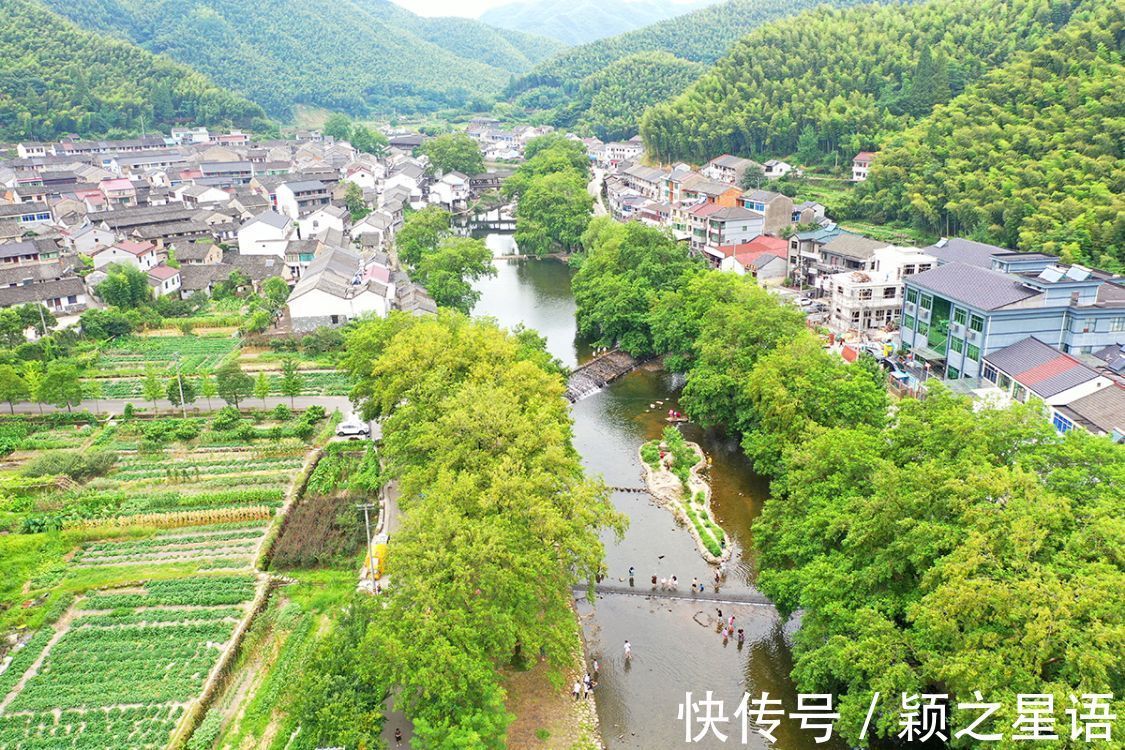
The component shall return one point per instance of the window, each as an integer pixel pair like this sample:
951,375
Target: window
957,345
865,294
973,352
1019,393
1004,382
1116,325
1061,423
908,322
912,296
923,328
990,373
927,301
952,373
889,292
959,316
976,323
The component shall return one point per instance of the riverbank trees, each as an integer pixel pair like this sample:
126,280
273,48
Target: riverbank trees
554,205
446,265
932,549
499,520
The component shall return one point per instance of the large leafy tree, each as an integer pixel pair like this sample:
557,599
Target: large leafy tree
447,272
125,286
421,232
553,213
454,152
232,384
61,385
13,387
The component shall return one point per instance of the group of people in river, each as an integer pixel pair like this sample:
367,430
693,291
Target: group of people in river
727,630
672,583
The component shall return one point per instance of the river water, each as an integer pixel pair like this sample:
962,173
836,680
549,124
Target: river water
676,646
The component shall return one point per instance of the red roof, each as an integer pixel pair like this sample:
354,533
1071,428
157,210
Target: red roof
705,209
119,183
136,248
864,156
1050,369
764,244
163,272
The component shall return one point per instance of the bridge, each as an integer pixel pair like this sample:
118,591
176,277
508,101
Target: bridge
597,373
645,590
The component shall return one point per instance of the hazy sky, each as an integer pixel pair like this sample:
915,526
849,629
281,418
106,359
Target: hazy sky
469,8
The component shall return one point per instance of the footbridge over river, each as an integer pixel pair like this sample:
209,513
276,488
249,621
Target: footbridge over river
597,373
647,591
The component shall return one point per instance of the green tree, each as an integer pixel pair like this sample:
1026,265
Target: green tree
125,286
454,152
33,376
353,200
292,382
37,316
448,271
553,213
275,292
232,384
93,389
61,385
262,387
337,126
152,388
207,388
421,232
368,141
173,392
13,387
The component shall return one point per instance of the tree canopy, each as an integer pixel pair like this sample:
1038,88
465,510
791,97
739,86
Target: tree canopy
454,152
499,521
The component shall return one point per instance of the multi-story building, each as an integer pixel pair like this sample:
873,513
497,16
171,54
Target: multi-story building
958,313
863,300
829,250
301,197
861,165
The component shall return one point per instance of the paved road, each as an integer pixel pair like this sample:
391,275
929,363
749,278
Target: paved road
117,405
595,188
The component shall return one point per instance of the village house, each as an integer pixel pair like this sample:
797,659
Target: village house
267,234
775,207
861,164
198,253
336,288
164,280
301,197
713,226
118,192
32,150
451,192
762,258
774,169
729,169
28,251
62,297
140,255
870,299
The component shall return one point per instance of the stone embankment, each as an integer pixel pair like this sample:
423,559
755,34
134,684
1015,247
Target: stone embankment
598,373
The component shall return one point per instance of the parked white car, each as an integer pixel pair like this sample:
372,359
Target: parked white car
353,428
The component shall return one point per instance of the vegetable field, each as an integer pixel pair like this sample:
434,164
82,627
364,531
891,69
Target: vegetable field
120,673
135,355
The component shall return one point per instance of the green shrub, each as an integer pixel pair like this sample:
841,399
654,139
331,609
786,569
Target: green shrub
227,418
281,413
650,453
77,466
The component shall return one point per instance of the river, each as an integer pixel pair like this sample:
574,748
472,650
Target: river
676,647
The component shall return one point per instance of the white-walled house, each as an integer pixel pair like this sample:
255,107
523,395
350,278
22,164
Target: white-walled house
268,233
90,238
872,298
326,217
141,255
164,280
336,288
451,191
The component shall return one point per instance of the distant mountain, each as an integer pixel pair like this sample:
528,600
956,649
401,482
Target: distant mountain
56,78
581,21
355,56
559,84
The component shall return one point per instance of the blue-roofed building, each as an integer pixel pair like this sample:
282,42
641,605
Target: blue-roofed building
958,313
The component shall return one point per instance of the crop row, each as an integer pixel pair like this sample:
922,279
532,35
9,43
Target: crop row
228,514
189,470
120,617
166,540
134,728
71,507
199,592
312,384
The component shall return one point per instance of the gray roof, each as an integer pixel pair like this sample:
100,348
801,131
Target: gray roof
336,271
972,285
853,246
1101,412
18,295
257,267
27,247
270,218
763,196
19,209
737,213
18,273
957,250
301,186
1040,367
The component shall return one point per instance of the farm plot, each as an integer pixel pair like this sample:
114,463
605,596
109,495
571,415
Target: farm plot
121,670
136,355
221,546
313,383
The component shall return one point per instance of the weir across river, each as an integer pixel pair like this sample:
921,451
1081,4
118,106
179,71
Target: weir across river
597,373
647,591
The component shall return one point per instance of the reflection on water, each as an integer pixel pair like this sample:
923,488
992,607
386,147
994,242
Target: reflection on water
676,645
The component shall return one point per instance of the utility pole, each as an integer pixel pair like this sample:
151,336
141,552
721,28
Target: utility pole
367,508
180,383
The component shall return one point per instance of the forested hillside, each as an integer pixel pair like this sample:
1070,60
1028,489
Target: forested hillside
613,99
1029,157
56,78
860,74
355,56
581,21
559,84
